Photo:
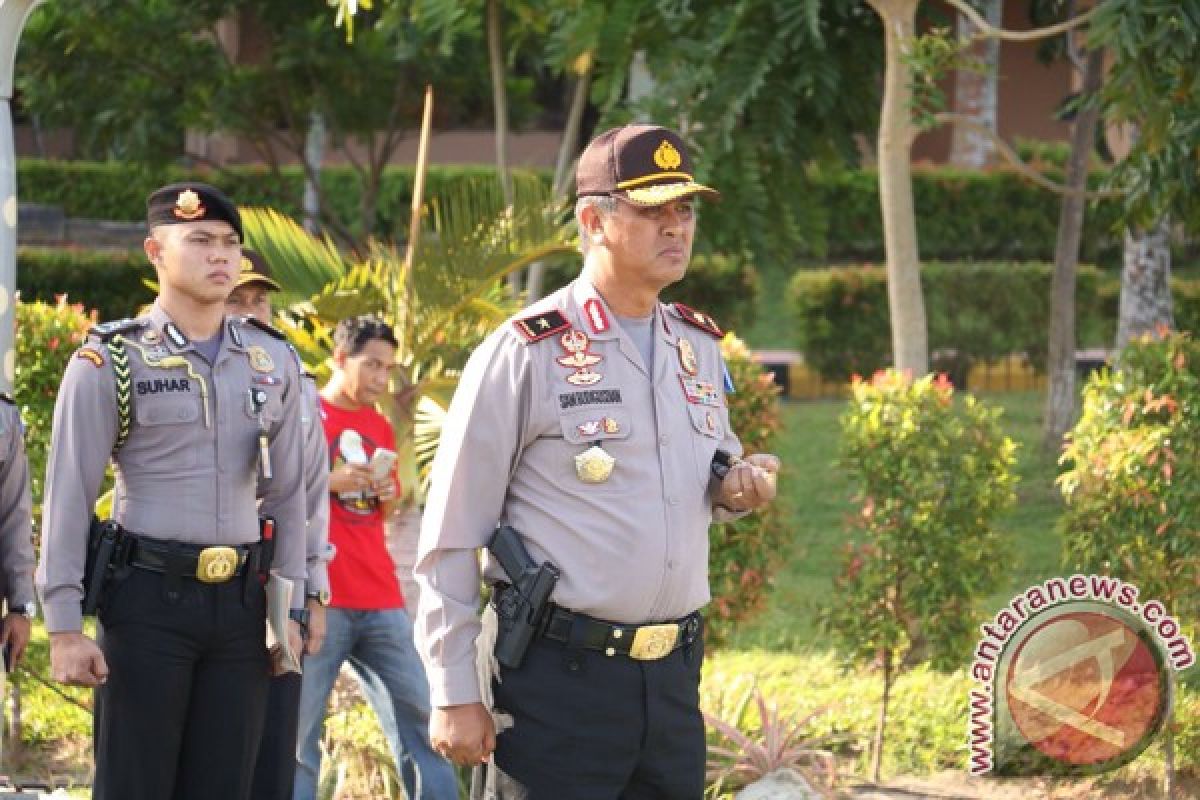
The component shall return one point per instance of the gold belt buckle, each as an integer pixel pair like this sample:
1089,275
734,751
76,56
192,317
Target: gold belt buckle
652,642
216,564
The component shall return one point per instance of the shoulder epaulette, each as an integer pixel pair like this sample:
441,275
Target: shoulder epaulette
539,326
265,327
699,320
107,330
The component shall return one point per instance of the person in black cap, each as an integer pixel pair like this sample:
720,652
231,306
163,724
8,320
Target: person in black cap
595,425
275,769
201,415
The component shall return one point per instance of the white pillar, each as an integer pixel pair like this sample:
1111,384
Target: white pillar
13,14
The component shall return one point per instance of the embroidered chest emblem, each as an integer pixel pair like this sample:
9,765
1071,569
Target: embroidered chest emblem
579,359
260,359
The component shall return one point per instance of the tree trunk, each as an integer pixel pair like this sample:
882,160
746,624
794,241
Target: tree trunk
975,93
1060,365
569,146
881,723
500,112
910,343
567,151
1145,283
314,155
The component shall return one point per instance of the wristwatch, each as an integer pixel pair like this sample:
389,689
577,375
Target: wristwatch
28,609
322,597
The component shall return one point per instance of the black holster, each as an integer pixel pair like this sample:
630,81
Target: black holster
107,552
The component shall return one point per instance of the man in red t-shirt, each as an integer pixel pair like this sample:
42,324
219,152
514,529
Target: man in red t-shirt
366,623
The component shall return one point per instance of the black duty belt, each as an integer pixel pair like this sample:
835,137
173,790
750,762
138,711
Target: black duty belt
207,564
641,642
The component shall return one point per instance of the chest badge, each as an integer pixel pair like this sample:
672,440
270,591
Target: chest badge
687,356
579,359
700,392
594,465
260,359
593,427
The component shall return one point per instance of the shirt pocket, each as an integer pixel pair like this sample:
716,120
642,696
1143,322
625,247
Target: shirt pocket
708,430
598,425
268,398
164,422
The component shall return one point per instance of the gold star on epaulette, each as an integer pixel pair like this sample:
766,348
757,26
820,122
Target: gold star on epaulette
539,326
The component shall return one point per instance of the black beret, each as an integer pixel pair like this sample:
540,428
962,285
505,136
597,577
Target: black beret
191,201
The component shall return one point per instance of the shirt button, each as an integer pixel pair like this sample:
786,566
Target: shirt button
672,501
670,565
662,440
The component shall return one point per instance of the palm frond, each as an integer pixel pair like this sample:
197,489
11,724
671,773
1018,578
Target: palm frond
302,264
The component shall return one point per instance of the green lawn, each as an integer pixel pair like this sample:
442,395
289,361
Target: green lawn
783,654
818,497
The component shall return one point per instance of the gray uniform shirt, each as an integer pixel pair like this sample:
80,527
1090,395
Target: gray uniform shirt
189,470
316,490
16,526
632,549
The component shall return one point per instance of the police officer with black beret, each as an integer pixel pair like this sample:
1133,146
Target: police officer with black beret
200,415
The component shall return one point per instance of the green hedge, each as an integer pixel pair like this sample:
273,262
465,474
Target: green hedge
723,287
108,281
117,191
981,312
992,215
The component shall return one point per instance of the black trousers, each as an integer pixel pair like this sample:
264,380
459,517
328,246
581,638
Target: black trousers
275,770
181,714
591,727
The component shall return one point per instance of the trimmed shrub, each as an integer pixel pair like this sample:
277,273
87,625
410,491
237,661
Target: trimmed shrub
110,281
117,190
724,287
992,214
1131,473
47,336
744,554
975,312
932,474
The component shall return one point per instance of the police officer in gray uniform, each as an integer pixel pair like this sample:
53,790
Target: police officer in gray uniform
200,414
590,424
16,536
275,768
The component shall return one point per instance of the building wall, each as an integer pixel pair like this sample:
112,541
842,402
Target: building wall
1028,93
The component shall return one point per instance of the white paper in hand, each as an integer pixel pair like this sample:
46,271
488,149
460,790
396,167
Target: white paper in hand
279,603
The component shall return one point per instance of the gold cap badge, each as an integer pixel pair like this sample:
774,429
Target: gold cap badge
188,205
247,265
666,156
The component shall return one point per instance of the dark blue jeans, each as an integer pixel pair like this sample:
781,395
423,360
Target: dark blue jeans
379,647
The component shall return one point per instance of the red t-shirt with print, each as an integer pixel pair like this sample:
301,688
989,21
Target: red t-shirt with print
362,575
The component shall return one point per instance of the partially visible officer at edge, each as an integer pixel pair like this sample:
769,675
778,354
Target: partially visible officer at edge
201,415
16,536
275,769
590,423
